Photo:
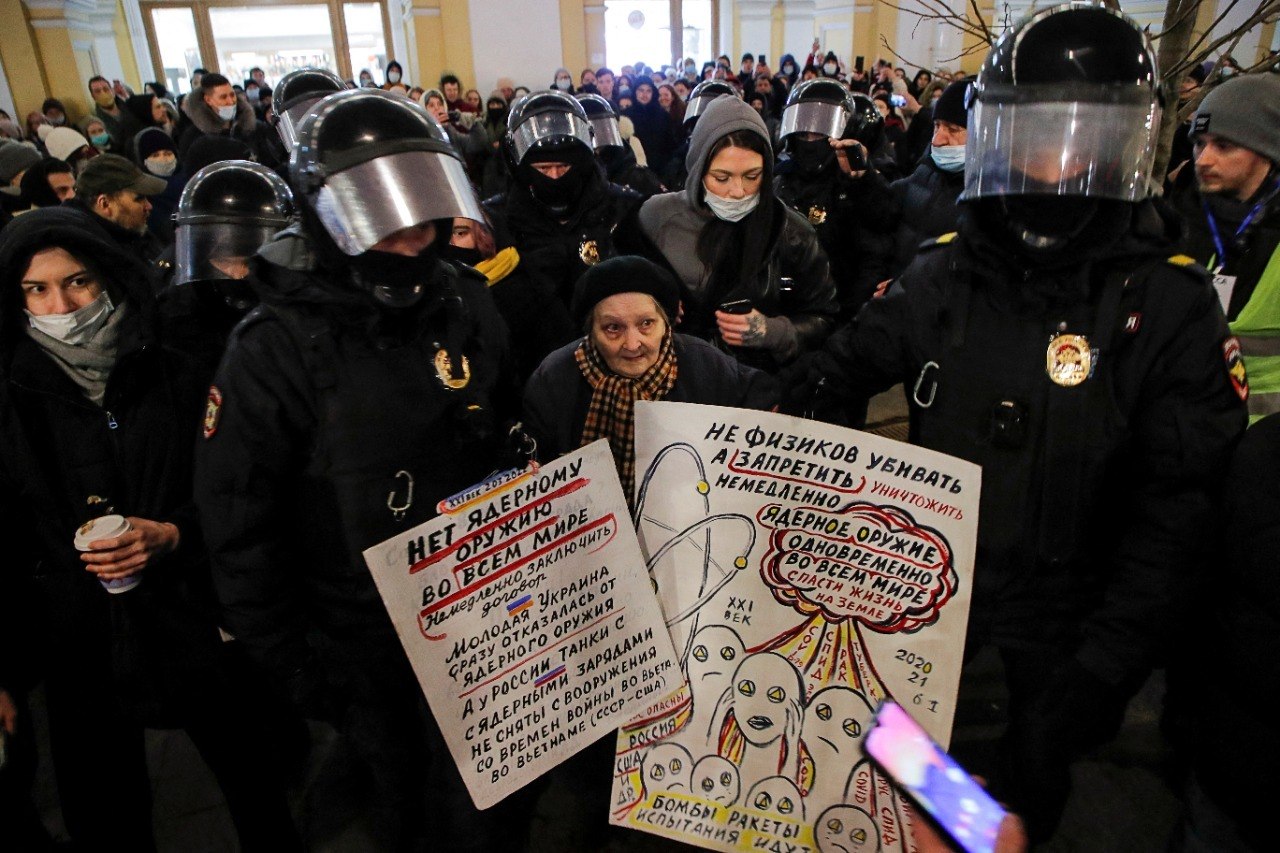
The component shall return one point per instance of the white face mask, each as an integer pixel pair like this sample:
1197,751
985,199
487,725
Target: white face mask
78,326
393,76
227,113
948,158
161,166
829,67
563,84
732,209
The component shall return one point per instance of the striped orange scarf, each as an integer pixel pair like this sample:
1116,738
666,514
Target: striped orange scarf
612,411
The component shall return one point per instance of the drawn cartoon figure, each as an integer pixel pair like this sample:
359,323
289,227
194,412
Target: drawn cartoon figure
716,779
714,654
687,562
776,795
666,767
846,829
759,717
836,720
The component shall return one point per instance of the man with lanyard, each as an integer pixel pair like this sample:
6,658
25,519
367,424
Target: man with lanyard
1233,217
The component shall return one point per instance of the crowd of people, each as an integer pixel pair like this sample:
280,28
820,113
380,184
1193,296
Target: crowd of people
256,329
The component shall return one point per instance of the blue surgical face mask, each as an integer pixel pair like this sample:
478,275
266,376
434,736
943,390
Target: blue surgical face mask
732,209
227,113
948,158
100,140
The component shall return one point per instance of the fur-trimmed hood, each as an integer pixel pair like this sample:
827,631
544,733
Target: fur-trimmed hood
204,118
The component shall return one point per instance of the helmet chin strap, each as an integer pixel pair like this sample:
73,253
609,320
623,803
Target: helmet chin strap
1047,224
398,297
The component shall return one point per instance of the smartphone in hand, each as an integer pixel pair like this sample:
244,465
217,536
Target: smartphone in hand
939,787
737,306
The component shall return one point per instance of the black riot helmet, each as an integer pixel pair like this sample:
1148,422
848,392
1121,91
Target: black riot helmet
821,105
227,210
702,96
546,122
370,163
1066,104
604,121
296,93
866,124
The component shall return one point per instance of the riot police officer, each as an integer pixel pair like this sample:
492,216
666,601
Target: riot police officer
344,410
613,152
827,179
675,173
295,94
227,210
1060,343
559,212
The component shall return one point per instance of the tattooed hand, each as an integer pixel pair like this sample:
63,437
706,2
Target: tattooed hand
743,330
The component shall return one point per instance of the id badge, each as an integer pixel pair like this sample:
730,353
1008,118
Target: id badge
1224,285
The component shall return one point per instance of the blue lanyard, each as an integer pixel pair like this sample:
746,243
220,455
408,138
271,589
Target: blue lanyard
1217,235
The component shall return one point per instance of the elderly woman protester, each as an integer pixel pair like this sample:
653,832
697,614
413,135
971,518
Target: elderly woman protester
588,389
754,279
96,420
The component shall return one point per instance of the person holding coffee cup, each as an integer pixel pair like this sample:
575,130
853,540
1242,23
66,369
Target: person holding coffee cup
97,418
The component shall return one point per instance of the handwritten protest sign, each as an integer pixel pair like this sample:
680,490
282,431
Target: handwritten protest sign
806,572
527,615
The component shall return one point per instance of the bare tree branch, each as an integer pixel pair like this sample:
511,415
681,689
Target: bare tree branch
986,31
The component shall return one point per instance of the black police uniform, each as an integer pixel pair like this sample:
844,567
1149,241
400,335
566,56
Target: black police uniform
361,393
555,246
230,207
836,205
1095,498
330,430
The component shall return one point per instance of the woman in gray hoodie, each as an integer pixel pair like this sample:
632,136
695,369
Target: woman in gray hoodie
754,280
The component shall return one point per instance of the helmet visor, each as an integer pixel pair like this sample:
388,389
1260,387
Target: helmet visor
607,133
547,126
814,117
217,250
288,121
372,200
697,106
1066,148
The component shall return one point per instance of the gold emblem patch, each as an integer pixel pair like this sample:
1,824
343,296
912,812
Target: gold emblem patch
1235,367
1069,361
817,215
444,370
589,252
212,411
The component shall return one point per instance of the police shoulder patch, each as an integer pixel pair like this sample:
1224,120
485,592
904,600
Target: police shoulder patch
940,240
212,411
1235,367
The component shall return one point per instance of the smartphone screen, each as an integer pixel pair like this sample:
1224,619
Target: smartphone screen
939,786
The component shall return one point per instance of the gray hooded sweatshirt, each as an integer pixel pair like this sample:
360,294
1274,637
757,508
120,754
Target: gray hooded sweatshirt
673,221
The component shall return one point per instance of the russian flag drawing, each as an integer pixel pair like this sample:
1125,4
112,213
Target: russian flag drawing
543,679
520,605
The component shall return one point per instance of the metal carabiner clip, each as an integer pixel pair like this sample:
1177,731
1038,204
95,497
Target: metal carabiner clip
933,388
399,511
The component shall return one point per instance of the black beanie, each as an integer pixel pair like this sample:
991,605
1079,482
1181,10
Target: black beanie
951,105
624,274
150,140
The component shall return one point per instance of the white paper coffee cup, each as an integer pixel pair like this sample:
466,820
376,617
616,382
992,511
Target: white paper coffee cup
107,527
